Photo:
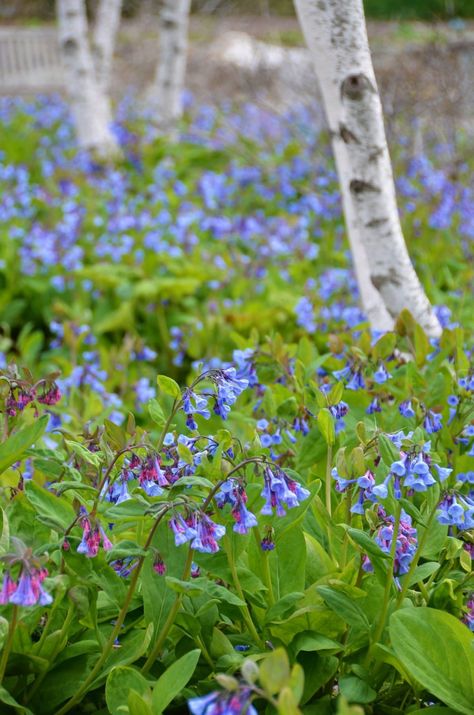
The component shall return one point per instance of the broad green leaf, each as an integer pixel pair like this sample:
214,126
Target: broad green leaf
318,670
173,680
366,543
13,449
388,451
168,386
4,625
287,702
138,705
344,606
437,651
121,680
326,425
282,608
356,690
48,505
310,641
156,412
5,537
116,435
275,671
158,598
85,454
8,699
422,345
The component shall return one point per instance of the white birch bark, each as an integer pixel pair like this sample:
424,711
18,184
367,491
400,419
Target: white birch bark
166,94
89,104
106,26
336,35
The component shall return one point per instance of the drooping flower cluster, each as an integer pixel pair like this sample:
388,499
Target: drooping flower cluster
468,618
223,703
413,471
26,589
456,510
228,388
363,484
406,542
280,491
92,536
233,493
197,529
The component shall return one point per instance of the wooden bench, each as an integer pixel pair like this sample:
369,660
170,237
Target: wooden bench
29,60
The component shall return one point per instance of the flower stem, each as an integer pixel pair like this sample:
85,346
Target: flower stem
170,619
118,625
8,645
266,575
58,646
235,578
328,479
416,558
388,583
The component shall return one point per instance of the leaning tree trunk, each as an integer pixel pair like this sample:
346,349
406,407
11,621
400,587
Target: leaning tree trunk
166,93
103,42
90,105
336,35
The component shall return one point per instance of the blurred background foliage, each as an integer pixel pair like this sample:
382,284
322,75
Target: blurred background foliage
428,10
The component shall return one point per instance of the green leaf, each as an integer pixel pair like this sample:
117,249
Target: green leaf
275,671
121,680
156,412
173,680
356,690
344,606
137,705
336,393
287,703
318,670
310,641
85,454
5,537
168,386
435,710
384,346
8,699
326,425
388,451
366,543
448,671
48,505
116,435
282,608
13,449
422,345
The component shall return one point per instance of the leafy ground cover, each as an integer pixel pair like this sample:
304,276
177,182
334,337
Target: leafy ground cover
218,486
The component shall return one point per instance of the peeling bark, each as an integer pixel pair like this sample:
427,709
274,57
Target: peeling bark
89,103
165,96
336,35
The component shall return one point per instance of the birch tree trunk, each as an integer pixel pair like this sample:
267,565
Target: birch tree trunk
336,35
165,96
106,26
89,104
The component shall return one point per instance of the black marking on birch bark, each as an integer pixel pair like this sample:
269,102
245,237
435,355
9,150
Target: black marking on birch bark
70,46
391,278
374,222
374,155
347,136
355,86
358,186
